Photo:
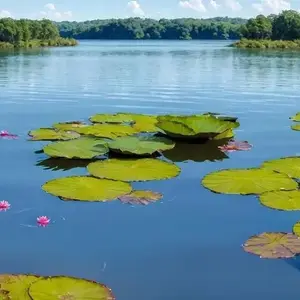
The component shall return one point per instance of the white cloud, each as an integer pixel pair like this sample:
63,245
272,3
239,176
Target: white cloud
5,14
136,8
214,4
193,4
272,6
234,5
50,6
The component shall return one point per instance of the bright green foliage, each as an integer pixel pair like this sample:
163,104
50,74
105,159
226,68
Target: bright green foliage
49,134
258,28
84,188
286,165
69,125
133,169
296,117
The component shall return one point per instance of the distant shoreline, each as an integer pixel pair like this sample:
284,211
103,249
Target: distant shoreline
267,44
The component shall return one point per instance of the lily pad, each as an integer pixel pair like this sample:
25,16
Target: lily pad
72,125
111,118
133,169
110,131
224,135
247,181
144,123
60,287
140,197
17,285
296,229
287,165
198,126
296,117
50,134
281,200
273,245
140,145
84,148
84,188
296,127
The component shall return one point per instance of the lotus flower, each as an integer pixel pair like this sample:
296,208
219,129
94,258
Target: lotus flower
4,206
235,146
7,135
43,221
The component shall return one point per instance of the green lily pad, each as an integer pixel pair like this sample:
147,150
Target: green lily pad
287,165
111,118
296,127
110,131
140,145
50,134
296,117
133,169
72,125
198,126
17,285
281,200
84,188
224,135
247,181
296,228
144,123
68,288
140,197
273,245
84,148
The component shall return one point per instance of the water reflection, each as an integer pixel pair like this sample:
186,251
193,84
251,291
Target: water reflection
62,164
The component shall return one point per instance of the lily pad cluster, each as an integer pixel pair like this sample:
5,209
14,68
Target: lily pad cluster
32,287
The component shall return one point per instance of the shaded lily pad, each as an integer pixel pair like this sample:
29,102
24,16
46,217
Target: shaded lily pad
50,134
110,131
111,118
84,148
84,188
197,126
296,117
16,285
144,145
133,169
296,127
281,200
69,125
296,228
287,165
62,164
68,288
224,135
247,181
140,197
273,245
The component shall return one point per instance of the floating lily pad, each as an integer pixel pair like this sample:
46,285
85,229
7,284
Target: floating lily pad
296,117
296,127
140,145
198,126
281,200
133,169
60,287
247,181
16,285
111,118
273,245
50,134
84,148
296,229
110,131
224,135
144,123
84,188
72,125
140,197
287,165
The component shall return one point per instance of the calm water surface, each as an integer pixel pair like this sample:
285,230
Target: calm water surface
189,246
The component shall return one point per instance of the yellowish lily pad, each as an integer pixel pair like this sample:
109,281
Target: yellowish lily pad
287,165
50,134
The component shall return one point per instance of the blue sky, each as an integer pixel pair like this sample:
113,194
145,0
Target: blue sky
100,9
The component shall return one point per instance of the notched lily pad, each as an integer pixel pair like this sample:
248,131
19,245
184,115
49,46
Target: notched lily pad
140,197
281,200
50,134
16,285
72,125
296,117
68,288
84,148
273,245
84,188
144,145
247,181
133,169
286,165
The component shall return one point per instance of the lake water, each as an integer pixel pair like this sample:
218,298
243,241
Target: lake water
188,247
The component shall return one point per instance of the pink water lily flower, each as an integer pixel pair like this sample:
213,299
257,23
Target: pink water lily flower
235,146
7,135
4,205
43,221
